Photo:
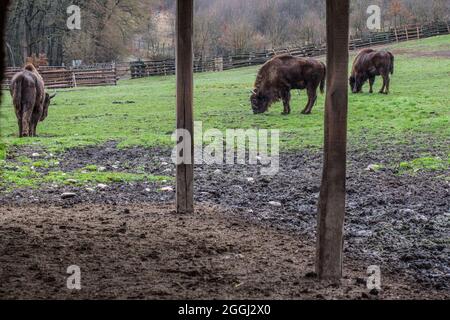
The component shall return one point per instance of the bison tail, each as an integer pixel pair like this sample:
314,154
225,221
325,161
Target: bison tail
322,83
392,63
17,94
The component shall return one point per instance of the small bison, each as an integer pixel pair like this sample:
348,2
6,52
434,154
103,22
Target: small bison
369,64
282,74
30,100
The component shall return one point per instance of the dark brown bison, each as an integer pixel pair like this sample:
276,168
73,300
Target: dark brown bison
369,64
282,74
30,100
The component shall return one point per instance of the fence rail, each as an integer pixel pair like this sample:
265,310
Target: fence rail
140,69
61,77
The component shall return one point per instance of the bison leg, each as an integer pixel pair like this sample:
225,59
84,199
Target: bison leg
371,83
383,74
388,82
19,121
26,122
287,103
34,123
312,98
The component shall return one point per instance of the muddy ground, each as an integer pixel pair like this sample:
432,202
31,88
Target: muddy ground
238,245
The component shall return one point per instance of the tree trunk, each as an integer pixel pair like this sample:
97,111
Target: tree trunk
333,195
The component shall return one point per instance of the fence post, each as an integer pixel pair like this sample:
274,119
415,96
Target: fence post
406,31
219,64
113,65
396,34
418,33
74,79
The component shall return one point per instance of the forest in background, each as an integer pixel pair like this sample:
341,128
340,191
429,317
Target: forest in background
122,30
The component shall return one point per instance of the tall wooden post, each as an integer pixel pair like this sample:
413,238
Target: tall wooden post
185,93
333,195
3,11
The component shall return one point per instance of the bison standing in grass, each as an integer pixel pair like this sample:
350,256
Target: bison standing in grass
369,64
30,100
282,74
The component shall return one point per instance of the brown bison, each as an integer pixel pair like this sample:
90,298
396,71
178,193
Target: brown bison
282,74
30,100
369,64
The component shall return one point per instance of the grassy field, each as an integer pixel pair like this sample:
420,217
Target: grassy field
142,112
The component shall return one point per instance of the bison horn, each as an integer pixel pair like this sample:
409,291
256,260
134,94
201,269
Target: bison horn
253,91
53,95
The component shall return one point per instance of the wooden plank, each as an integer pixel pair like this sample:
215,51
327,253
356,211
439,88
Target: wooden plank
330,234
185,94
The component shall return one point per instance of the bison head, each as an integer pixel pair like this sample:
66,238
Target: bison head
260,102
352,81
47,100
356,83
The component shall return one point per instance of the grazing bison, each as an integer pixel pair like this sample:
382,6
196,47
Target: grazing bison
282,74
30,100
369,64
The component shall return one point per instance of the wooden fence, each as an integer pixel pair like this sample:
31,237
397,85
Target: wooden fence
141,69
107,74
62,77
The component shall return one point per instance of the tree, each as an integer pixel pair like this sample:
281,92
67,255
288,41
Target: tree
399,13
239,36
34,27
109,27
206,33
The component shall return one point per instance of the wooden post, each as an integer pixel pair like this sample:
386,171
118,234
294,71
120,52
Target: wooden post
418,33
396,34
74,79
333,195
185,93
3,12
406,32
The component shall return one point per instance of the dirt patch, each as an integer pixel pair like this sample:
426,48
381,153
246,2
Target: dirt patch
397,221
149,252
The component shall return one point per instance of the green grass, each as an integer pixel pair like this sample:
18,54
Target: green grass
28,177
429,44
142,112
417,106
424,164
